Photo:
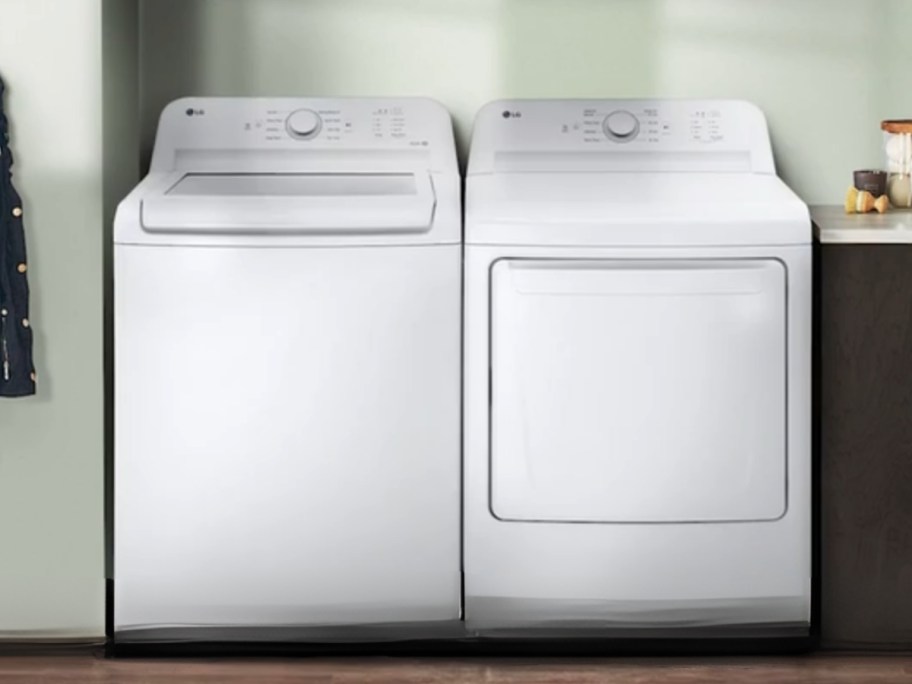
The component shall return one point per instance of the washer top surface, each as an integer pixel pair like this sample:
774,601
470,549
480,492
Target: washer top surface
627,173
297,171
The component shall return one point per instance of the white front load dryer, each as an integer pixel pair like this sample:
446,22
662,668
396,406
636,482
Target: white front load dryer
637,397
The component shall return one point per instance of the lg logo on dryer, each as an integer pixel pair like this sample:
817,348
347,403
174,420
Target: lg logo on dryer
507,114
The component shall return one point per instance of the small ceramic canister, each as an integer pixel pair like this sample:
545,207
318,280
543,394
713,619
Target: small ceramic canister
873,181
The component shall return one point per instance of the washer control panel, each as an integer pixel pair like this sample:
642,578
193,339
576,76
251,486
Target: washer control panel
380,125
194,125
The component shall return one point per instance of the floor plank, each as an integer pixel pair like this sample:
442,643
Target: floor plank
819,669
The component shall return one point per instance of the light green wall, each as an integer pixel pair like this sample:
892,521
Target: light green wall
825,71
51,496
52,445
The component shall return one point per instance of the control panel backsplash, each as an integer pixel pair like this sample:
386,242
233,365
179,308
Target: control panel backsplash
303,124
620,126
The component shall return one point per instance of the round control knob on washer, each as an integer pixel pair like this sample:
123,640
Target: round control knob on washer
621,126
303,124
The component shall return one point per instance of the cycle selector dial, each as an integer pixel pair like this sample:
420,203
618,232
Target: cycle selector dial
303,124
621,126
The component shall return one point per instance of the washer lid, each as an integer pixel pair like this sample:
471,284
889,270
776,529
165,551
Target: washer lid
634,209
302,203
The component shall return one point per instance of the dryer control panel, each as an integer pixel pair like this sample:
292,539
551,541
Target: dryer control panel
621,135
402,127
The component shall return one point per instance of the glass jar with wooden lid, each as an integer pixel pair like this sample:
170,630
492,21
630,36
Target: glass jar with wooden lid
898,152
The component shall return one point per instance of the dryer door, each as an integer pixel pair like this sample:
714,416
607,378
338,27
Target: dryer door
638,391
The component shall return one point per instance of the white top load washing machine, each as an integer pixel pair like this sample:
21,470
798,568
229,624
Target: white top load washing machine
287,324
637,373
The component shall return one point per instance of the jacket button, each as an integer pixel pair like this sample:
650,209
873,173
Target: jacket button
22,268
17,211
25,323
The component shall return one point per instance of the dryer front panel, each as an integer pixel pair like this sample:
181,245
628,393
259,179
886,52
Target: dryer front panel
638,391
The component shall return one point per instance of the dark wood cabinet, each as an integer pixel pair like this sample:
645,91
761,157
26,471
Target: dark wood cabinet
865,409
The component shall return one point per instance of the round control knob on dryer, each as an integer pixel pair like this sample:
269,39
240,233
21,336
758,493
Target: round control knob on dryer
621,126
303,124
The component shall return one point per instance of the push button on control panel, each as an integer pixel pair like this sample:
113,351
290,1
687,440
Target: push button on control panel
303,124
621,125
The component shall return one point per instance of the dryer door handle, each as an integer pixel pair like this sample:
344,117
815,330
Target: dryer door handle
641,277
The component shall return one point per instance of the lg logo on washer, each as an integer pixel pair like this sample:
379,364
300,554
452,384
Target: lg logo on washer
507,114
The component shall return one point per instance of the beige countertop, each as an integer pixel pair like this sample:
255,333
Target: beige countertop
833,225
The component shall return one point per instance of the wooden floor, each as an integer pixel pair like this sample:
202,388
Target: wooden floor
819,669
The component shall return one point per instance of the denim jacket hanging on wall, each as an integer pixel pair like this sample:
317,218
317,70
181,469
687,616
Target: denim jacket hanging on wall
17,374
